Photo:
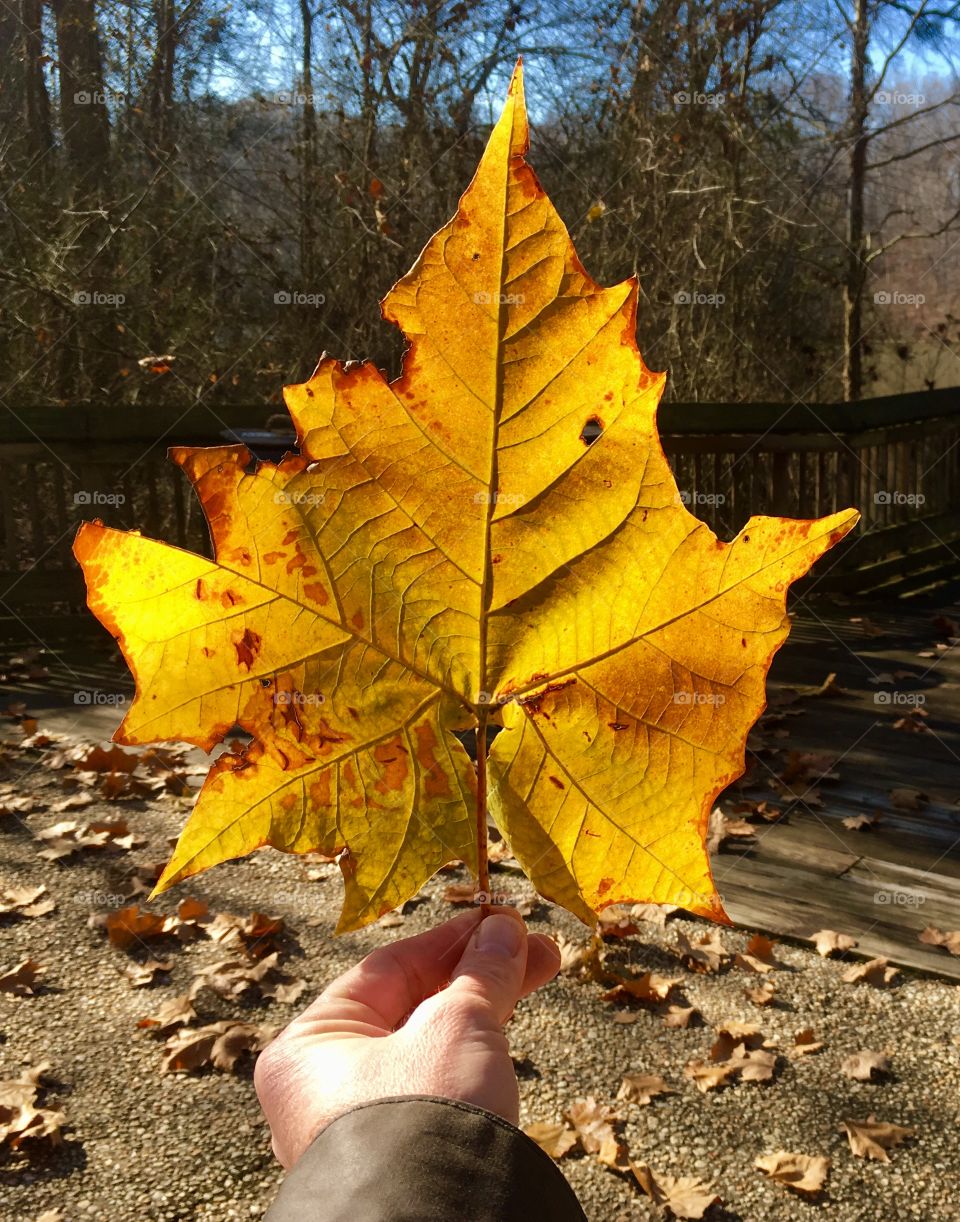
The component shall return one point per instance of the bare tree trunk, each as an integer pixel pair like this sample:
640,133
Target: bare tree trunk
308,163
856,264
83,111
37,133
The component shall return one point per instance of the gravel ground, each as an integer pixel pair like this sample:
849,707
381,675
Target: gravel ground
143,1146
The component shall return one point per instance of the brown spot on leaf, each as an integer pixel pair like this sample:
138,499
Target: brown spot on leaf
555,780
436,784
604,886
394,767
207,651
248,647
316,593
201,591
618,725
357,620
230,598
272,557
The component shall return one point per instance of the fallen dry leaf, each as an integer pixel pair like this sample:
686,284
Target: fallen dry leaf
650,987
804,1043
764,995
680,1016
872,1138
828,942
173,1013
877,972
642,1088
21,981
906,798
863,1065
706,954
26,901
218,1044
860,823
143,975
758,955
708,1077
722,828
732,1034
593,1122
127,926
616,922
683,1196
932,936
801,1172
232,978
755,1065
555,1138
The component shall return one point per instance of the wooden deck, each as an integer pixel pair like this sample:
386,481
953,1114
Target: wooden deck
806,871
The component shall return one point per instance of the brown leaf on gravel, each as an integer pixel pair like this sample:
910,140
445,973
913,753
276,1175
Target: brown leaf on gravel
936,937
65,839
12,803
555,1138
706,954
906,798
709,1077
764,995
863,1065
106,759
21,1120
232,978
655,914
20,981
52,1215
733,1034
143,975
259,934
872,1138
682,1196
758,955
801,1172
76,801
804,1043
828,942
642,1088
877,972
756,1065
650,987
593,1123
26,901
127,926
680,1016
582,958
219,1044
172,1014
616,922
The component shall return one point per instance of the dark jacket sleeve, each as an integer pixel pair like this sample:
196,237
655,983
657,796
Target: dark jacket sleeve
423,1159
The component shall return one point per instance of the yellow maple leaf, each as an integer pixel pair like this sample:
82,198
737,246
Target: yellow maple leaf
449,551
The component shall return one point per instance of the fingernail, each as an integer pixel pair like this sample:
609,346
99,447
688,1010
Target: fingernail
500,935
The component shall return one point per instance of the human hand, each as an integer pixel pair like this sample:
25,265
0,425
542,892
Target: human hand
423,1016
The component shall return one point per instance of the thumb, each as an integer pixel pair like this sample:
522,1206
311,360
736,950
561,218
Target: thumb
492,967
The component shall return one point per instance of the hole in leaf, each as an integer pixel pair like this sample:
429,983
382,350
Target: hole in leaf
591,430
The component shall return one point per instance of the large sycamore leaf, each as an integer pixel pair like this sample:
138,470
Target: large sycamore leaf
446,550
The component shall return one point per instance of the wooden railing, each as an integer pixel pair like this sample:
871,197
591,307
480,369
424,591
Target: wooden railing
896,459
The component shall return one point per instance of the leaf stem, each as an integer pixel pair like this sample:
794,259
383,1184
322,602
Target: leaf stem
483,870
